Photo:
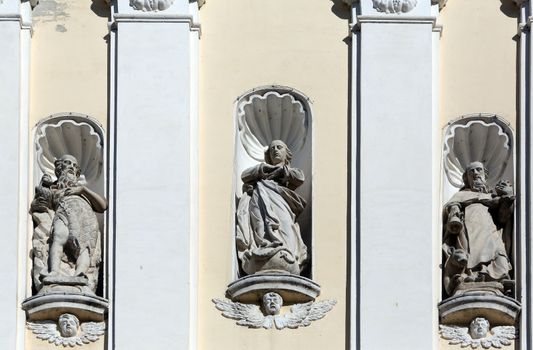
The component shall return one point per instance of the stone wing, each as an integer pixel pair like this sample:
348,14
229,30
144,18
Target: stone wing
456,335
246,314
501,336
91,331
46,331
302,315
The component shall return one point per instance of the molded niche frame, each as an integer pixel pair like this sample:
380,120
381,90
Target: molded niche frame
262,115
84,138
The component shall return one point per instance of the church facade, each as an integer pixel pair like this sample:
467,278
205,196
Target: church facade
343,174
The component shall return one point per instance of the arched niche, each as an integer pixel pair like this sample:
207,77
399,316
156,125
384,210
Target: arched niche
82,137
272,113
479,253
477,137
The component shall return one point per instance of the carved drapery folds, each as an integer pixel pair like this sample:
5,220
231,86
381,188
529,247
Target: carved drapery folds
67,240
273,210
478,231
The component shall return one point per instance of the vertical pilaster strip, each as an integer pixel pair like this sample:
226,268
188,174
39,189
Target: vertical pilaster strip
14,65
526,211
395,173
154,140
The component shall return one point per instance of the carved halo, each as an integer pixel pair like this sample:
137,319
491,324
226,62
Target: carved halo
70,134
480,137
263,118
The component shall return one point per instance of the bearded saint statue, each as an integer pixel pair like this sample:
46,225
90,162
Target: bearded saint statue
477,231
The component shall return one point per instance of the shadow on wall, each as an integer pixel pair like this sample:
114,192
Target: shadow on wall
342,10
509,8
100,8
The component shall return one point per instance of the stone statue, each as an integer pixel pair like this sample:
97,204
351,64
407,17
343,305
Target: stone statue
272,303
68,331
68,325
66,242
268,236
251,315
477,231
479,334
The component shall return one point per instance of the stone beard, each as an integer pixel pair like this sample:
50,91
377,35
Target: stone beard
477,236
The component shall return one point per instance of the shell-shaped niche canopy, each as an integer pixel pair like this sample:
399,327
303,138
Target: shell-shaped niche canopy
481,137
74,134
269,116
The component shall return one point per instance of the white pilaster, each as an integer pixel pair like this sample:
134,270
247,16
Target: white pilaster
394,178
15,33
154,202
524,215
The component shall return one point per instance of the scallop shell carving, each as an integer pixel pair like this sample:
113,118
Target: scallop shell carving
268,117
151,5
394,6
476,141
78,139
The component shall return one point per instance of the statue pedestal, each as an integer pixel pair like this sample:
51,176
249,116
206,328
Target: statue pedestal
292,288
65,284
479,299
88,308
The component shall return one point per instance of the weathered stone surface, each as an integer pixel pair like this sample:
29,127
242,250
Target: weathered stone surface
67,331
51,306
292,288
250,315
477,231
67,239
268,236
478,334
461,309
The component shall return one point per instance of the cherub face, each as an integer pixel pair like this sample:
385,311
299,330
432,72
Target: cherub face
68,325
479,328
272,303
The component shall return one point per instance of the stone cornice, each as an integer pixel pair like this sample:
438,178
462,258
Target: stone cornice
441,3
142,17
200,2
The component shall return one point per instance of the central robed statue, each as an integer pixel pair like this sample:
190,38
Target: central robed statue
268,236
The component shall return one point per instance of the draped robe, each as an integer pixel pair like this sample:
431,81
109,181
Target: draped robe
266,218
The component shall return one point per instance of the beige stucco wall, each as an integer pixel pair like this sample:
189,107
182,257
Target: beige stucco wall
69,59
68,74
478,65
478,59
246,44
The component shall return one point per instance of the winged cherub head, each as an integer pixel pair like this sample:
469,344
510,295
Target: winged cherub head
68,325
272,303
479,328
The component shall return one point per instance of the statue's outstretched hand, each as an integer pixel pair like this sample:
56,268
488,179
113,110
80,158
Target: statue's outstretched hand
75,191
